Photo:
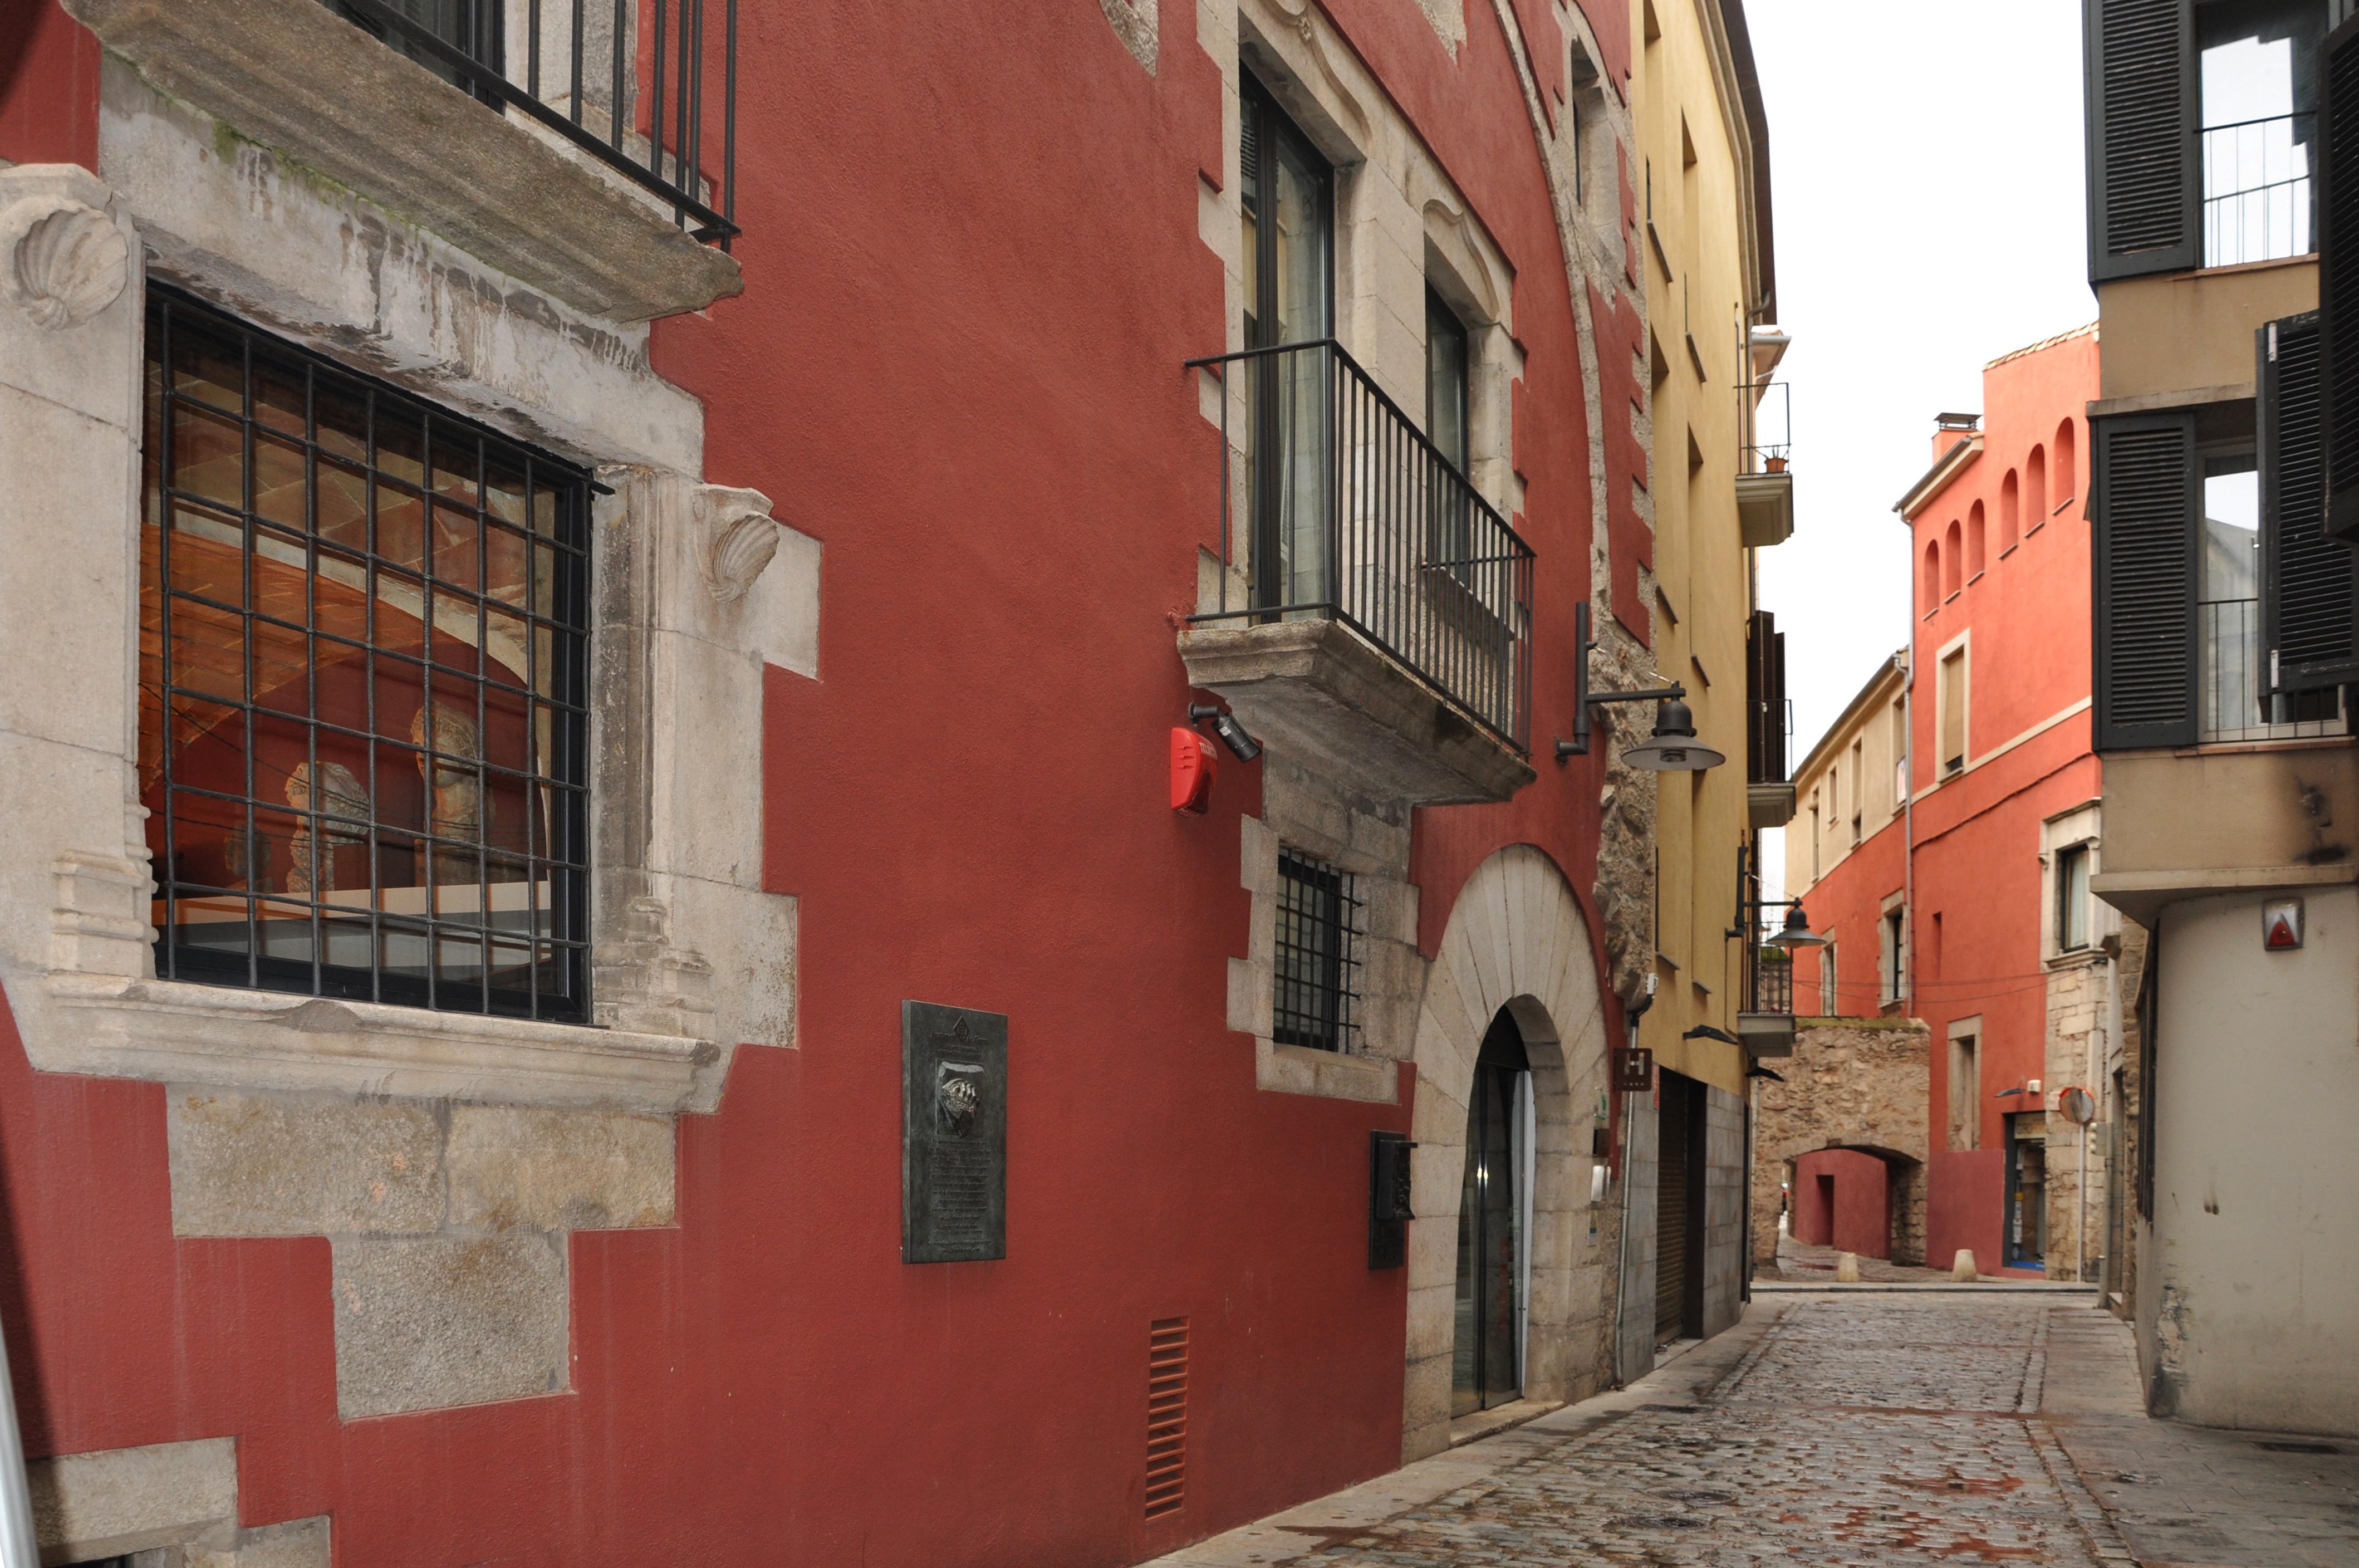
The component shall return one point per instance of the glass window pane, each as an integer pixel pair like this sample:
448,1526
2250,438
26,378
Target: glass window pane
293,850
208,455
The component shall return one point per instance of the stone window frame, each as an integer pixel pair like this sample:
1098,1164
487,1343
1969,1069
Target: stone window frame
1305,812
2076,827
1400,224
1970,1033
1893,954
685,617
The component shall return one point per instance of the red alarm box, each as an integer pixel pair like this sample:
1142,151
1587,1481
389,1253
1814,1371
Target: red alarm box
1192,772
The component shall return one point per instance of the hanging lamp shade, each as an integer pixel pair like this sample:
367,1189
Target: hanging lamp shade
1673,747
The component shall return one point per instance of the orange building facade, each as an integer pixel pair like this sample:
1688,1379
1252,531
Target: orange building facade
1947,826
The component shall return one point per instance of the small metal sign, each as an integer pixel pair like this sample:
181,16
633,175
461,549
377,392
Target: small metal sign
1633,1071
2281,925
953,1134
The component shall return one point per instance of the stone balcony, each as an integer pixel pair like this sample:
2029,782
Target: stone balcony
294,76
1765,509
1315,689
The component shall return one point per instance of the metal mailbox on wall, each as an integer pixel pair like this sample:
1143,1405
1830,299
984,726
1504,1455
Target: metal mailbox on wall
953,1134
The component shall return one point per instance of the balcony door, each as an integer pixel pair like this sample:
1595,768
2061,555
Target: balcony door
1289,199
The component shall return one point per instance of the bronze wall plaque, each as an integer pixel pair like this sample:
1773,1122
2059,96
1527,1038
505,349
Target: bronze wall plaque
953,1134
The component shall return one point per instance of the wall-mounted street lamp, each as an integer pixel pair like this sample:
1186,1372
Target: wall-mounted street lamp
1796,931
1672,749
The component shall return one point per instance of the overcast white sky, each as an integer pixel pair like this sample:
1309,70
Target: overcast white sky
1925,184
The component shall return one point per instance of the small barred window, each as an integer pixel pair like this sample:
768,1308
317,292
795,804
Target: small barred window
1316,998
364,643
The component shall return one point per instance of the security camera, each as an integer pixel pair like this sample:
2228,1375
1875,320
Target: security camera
1243,746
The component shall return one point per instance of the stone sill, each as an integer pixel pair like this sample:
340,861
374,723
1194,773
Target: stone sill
1329,1074
295,76
174,1032
1321,693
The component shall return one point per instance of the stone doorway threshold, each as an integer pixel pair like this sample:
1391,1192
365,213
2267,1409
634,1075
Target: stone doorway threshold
1498,1419
1987,1286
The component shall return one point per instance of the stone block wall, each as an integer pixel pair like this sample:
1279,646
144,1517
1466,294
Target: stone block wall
1641,1144
1724,1209
2076,1024
1863,1084
448,1225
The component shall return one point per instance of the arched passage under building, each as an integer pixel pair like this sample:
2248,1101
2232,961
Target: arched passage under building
1856,1198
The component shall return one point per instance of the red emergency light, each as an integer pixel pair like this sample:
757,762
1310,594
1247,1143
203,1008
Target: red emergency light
1192,772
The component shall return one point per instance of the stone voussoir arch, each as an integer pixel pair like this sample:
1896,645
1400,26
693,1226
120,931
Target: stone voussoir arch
1518,940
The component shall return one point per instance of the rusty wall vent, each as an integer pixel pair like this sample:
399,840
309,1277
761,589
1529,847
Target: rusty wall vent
1167,1416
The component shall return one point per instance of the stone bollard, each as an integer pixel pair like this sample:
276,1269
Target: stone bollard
1962,1270
1846,1268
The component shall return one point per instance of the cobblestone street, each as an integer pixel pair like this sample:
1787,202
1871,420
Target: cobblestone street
1850,1429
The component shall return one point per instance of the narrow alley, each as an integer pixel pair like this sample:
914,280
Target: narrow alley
1875,1427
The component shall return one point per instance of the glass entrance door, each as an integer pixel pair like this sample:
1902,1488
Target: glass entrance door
1488,1362
2026,1191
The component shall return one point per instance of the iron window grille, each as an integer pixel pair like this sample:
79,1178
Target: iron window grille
582,59
364,654
1317,995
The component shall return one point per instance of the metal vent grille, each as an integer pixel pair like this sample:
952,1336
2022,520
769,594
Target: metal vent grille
1167,1416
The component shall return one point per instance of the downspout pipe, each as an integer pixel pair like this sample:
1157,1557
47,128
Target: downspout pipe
1907,958
1630,1018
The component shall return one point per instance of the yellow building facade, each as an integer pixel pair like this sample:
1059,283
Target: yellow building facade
1721,485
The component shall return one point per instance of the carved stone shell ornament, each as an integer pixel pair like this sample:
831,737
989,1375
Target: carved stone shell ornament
740,538
61,261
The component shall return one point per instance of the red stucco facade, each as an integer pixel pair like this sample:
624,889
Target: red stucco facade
1978,927
972,271
1842,1199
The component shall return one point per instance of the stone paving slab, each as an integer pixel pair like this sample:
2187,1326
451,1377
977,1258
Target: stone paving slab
1842,1430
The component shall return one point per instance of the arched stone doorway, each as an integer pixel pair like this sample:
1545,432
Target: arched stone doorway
1494,1280
1516,943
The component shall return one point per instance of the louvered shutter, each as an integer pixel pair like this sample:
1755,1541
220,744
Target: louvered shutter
1765,680
2147,499
2306,578
2338,275
2144,163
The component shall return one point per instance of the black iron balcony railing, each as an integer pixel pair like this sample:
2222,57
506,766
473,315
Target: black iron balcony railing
2233,679
1773,981
1771,423
2259,199
626,81
1352,514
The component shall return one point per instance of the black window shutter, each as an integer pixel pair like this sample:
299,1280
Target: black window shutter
2144,164
1765,682
2338,275
2306,578
2147,497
